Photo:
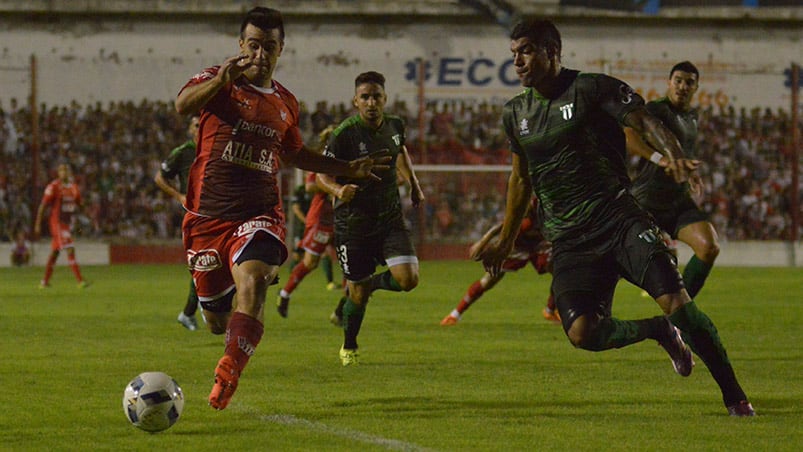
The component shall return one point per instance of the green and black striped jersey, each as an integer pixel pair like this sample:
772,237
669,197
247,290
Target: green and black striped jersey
652,187
574,147
376,201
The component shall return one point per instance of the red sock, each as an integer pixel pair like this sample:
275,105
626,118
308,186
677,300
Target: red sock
242,337
550,302
296,276
74,266
51,262
474,291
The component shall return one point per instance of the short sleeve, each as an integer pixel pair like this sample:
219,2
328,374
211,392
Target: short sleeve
616,97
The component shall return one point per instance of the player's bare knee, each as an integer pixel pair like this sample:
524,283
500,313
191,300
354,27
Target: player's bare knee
409,282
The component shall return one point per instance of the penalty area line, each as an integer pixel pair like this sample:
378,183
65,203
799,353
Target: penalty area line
387,443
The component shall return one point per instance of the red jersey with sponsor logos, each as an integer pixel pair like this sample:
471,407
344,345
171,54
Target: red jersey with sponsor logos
243,131
320,211
530,238
63,199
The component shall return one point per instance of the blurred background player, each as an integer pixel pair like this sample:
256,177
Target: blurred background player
63,198
177,166
234,229
529,247
369,225
318,234
670,203
21,251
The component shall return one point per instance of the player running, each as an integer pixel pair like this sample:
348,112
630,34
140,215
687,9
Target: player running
569,151
529,247
63,197
670,203
369,224
234,229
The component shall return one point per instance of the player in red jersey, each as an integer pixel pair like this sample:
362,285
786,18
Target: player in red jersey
319,230
234,228
529,247
63,198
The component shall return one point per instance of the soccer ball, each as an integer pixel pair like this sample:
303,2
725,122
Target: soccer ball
153,401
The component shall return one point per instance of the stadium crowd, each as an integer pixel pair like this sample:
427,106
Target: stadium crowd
115,150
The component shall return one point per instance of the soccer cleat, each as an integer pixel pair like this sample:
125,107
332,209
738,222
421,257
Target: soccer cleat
226,378
332,286
336,320
44,285
282,304
679,352
83,285
742,409
188,321
551,315
449,320
348,357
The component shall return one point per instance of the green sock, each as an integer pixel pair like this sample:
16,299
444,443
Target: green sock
192,301
385,281
352,321
700,334
326,265
694,275
615,333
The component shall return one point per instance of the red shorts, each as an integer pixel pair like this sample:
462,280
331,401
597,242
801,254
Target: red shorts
540,260
213,246
317,238
62,237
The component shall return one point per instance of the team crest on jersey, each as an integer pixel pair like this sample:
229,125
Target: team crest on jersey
397,139
363,148
524,127
283,115
567,110
245,104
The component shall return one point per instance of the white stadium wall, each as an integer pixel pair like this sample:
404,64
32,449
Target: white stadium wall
111,60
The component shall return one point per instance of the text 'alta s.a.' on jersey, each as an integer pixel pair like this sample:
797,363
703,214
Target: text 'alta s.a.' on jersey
574,147
244,129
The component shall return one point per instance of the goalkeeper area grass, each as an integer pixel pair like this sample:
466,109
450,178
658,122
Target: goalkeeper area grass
502,379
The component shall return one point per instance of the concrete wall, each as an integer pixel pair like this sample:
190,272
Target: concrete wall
734,254
101,59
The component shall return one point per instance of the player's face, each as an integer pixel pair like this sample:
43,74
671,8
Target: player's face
682,86
532,63
263,48
369,99
192,129
63,172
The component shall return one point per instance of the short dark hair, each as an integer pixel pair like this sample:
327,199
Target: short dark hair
264,19
370,77
541,32
685,66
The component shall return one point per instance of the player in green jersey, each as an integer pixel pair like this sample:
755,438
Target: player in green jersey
569,150
670,203
369,225
177,165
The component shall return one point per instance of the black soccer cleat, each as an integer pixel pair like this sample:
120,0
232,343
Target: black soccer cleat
742,409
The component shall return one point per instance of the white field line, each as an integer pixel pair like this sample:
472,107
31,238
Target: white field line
390,444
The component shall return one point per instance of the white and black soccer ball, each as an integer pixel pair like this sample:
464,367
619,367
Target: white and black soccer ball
153,401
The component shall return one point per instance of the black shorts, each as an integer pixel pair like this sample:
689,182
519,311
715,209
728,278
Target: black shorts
677,215
359,255
584,280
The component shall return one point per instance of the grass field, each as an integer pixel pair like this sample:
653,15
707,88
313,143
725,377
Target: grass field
503,379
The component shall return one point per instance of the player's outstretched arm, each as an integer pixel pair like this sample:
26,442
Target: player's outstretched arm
365,167
519,193
329,185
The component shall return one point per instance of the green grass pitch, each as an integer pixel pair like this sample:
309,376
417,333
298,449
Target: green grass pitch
502,379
